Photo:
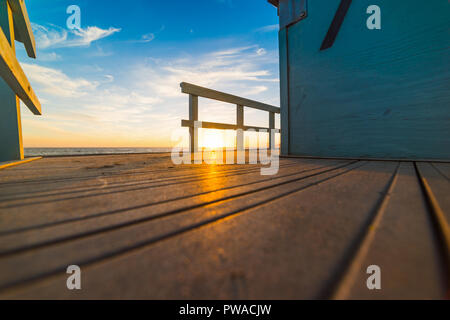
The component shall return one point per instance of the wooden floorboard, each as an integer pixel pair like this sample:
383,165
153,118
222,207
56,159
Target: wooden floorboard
439,186
171,204
443,168
98,177
141,227
104,185
176,196
246,255
102,245
403,243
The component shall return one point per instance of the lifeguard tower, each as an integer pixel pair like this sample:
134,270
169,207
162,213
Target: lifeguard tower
140,227
351,90
14,85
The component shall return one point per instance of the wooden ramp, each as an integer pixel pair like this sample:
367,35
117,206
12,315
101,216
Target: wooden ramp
140,227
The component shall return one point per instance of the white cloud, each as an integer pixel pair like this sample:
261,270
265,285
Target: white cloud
56,83
261,51
109,78
256,90
46,37
56,37
233,51
241,70
89,35
148,37
269,28
99,101
49,57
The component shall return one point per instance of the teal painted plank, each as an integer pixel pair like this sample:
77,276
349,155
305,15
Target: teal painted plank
375,93
10,122
10,131
284,102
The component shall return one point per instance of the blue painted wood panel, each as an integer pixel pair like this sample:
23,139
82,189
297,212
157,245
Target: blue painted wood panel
11,147
284,92
375,93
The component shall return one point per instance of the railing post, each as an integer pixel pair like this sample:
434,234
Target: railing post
240,147
240,131
271,131
193,116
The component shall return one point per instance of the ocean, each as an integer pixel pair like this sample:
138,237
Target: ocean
56,152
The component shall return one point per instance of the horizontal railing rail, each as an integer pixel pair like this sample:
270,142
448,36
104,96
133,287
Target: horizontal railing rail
195,92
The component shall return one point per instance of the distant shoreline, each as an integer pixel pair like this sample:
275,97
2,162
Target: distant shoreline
65,152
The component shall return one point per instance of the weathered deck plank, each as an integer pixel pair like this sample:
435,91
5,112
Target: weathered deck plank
378,176
174,196
86,172
403,245
443,168
159,231
439,186
105,184
97,246
199,196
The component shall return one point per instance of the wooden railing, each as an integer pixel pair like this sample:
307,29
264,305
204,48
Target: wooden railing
197,91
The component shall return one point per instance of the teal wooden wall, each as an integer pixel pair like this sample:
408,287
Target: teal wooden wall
375,93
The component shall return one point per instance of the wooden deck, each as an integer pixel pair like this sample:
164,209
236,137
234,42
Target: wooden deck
139,227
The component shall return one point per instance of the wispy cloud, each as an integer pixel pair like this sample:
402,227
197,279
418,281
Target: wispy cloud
86,36
269,28
55,83
56,37
240,69
49,57
147,37
47,37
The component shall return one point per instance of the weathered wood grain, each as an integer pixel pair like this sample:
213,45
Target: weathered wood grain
224,259
207,236
87,173
47,260
439,185
443,168
121,182
175,195
404,245
100,220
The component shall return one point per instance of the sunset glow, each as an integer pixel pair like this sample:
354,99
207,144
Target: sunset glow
116,83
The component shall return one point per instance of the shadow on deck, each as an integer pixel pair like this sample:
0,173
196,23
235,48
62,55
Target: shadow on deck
140,227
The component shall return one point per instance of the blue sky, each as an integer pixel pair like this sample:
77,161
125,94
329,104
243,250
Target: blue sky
115,82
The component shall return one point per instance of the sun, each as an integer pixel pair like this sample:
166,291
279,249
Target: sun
212,139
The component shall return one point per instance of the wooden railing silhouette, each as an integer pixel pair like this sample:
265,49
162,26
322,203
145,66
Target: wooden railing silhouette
195,91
